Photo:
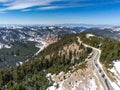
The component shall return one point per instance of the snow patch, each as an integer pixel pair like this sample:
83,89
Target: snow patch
89,35
92,84
116,71
19,63
41,47
5,46
117,66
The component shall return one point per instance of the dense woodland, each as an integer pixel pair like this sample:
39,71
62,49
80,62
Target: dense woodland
32,75
20,51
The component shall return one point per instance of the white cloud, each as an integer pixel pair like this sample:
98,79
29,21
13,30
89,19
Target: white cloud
63,6
50,7
23,4
46,4
4,0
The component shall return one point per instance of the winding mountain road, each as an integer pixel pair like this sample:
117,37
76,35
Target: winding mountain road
98,66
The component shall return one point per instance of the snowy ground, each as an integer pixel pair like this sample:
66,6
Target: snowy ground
83,84
5,46
89,35
116,75
80,79
41,46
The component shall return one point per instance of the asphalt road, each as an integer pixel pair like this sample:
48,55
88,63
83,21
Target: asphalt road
98,67
100,70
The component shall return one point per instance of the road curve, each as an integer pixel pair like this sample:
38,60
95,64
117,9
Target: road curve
98,66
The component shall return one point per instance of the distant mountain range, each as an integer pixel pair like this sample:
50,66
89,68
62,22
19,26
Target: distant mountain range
19,32
113,33
66,25
85,25
37,32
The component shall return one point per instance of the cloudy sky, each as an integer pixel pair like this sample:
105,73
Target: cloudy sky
60,11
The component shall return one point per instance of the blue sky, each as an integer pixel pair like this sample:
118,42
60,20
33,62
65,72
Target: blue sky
60,11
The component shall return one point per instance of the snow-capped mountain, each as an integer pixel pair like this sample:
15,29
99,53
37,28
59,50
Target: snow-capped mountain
15,33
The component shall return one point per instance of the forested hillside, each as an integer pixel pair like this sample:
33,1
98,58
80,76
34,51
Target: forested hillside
59,56
19,52
110,48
